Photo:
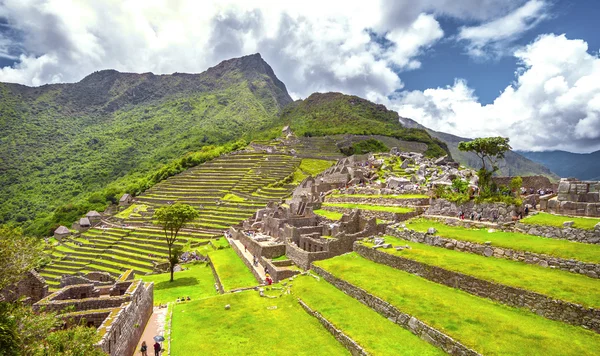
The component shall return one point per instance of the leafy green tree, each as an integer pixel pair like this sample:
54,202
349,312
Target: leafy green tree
515,186
490,150
18,254
172,218
77,341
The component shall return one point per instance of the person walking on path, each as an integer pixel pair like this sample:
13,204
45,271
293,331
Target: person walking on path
157,349
144,349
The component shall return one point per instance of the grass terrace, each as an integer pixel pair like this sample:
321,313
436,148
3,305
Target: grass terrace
253,325
232,272
555,283
389,209
381,337
196,281
132,209
558,220
487,327
514,240
310,167
331,215
383,196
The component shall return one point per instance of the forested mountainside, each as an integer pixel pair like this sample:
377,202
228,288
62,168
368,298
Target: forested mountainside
514,164
59,142
566,164
335,113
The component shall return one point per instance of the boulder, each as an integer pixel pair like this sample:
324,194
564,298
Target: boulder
404,164
568,223
227,307
431,231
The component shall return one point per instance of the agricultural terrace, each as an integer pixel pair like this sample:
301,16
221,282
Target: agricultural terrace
252,325
546,219
331,215
310,167
380,196
485,326
351,206
232,272
555,283
513,240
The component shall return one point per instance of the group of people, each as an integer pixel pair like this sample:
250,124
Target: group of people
477,216
542,191
144,348
183,299
190,256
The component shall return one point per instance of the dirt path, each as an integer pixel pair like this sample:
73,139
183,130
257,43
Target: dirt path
155,326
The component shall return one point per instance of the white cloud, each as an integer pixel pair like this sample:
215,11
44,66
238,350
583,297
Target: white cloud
554,103
494,36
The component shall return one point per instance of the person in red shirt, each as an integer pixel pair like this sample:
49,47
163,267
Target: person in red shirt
157,349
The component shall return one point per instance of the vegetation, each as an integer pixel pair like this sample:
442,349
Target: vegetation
18,254
381,196
196,282
389,209
558,220
252,325
310,167
336,113
371,145
331,215
172,218
381,337
232,272
485,326
513,240
557,284
490,150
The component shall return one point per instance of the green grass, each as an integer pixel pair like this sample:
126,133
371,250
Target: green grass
331,215
232,272
310,167
280,258
389,209
196,282
488,327
253,326
233,197
558,220
384,196
381,337
514,240
555,283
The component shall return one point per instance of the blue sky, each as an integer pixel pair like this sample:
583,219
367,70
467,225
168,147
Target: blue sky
526,69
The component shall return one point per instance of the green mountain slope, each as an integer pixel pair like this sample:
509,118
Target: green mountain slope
60,142
514,164
324,114
567,164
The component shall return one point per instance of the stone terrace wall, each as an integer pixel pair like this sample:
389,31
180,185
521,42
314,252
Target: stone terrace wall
32,286
256,248
218,284
304,258
123,333
390,312
538,303
575,197
349,344
567,233
589,269
379,201
383,215
445,208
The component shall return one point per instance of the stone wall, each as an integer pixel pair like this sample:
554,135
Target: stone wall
278,273
581,198
121,333
304,258
567,233
218,284
589,269
516,297
246,262
257,248
383,215
379,201
349,344
443,207
412,324
32,287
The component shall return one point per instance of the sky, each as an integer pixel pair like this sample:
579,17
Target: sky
524,69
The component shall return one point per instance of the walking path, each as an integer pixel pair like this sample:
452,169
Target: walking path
155,326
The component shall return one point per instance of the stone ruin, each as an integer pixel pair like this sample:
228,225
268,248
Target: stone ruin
279,230
31,288
579,198
119,309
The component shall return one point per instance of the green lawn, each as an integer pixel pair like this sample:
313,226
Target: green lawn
394,196
389,209
129,210
514,240
253,326
488,327
232,272
233,197
555,283
381,337
558,220
310,166
332,215
196,282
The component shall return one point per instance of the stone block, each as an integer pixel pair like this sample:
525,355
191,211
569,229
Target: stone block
563,187
568,223
582,188
431,231
592,197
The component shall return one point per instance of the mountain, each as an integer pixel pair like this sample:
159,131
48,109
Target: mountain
329,114
583,166
59,142
513,164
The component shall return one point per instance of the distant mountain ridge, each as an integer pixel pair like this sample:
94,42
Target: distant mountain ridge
583,166
514,164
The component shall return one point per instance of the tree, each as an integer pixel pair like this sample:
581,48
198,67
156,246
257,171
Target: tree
490,150
18,254
172,218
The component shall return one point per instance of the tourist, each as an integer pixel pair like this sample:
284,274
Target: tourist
157,349
472,216
144,349
526,210
494,216
188,298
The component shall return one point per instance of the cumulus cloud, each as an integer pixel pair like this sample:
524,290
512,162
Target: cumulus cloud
553,104
492,38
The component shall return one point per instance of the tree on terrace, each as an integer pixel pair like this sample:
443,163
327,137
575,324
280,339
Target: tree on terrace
490,150
172,218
